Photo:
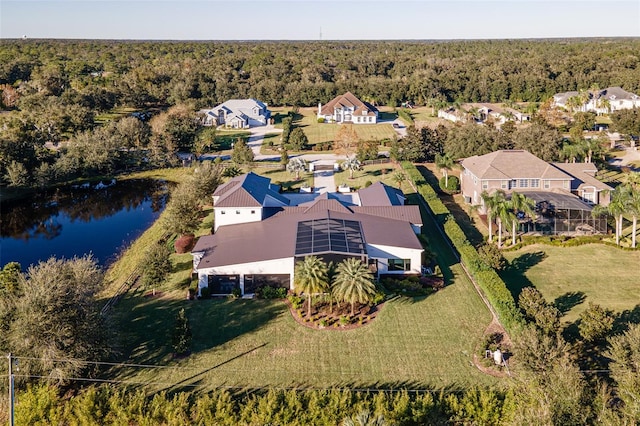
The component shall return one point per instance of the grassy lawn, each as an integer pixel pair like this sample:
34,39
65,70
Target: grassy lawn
114,114
325,132
589,273
373,173
224,138
284,178
271,144
252,343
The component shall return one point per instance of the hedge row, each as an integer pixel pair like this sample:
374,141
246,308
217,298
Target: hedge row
489,281
404,114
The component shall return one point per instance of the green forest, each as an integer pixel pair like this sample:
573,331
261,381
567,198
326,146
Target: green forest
122,105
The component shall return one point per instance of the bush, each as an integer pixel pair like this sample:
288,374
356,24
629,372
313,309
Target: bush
492,256
156,265
452,184
235,293
409,286
368,184
320,120
345,320
184,243
268,292
296,301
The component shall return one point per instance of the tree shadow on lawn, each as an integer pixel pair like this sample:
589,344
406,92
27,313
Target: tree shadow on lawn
146,325
625,318
514,275
569,300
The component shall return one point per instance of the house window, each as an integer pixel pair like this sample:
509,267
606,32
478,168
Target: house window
253,212
237,211
485,184
588,196
565,184
504,184
547,184
514,183
223,212
524,183
475,180
535,183
399,264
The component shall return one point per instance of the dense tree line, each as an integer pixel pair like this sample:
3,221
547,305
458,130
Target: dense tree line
54,90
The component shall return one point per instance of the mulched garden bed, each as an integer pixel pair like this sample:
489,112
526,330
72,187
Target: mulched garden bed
322,318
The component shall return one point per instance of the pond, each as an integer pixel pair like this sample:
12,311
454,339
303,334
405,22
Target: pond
100,218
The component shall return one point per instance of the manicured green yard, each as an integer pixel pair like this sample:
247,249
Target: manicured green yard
589,273
284,178
224,138
254,343
373,173
325,132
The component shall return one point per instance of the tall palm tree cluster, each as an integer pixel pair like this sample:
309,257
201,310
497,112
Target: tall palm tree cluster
351,282
625,200
505,211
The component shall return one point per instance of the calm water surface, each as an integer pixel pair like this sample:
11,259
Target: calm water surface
72,221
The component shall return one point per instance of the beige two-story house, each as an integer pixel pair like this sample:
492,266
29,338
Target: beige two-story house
523,172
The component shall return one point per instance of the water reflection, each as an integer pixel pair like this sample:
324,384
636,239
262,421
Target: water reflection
83,217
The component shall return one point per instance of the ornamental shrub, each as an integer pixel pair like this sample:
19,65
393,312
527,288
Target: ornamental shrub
451,184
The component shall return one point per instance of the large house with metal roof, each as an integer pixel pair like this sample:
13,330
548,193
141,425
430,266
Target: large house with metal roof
348,109
237,114
260,234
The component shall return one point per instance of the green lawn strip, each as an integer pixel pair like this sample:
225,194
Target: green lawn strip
605,275
369,173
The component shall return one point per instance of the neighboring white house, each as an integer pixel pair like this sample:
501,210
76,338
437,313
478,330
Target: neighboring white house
602,102
237,114
348,109
262,234
482,113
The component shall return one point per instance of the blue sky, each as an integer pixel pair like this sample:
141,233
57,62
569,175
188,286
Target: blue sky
303,20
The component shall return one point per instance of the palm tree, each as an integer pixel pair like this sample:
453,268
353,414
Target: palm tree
633,204
311,277
296,165
352,164
492,203
520,203
444,163
571,151
353,283
399,178
619,204
504,214
364,418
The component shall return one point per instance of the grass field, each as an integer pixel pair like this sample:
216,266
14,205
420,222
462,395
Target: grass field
253,343
375,172
325,132
579,275
413,343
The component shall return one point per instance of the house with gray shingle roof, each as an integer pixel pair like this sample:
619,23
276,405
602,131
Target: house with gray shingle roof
260,235
521,171
348,109
237,114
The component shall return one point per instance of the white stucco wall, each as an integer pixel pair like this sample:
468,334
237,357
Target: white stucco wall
233,215
382,253
274,266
